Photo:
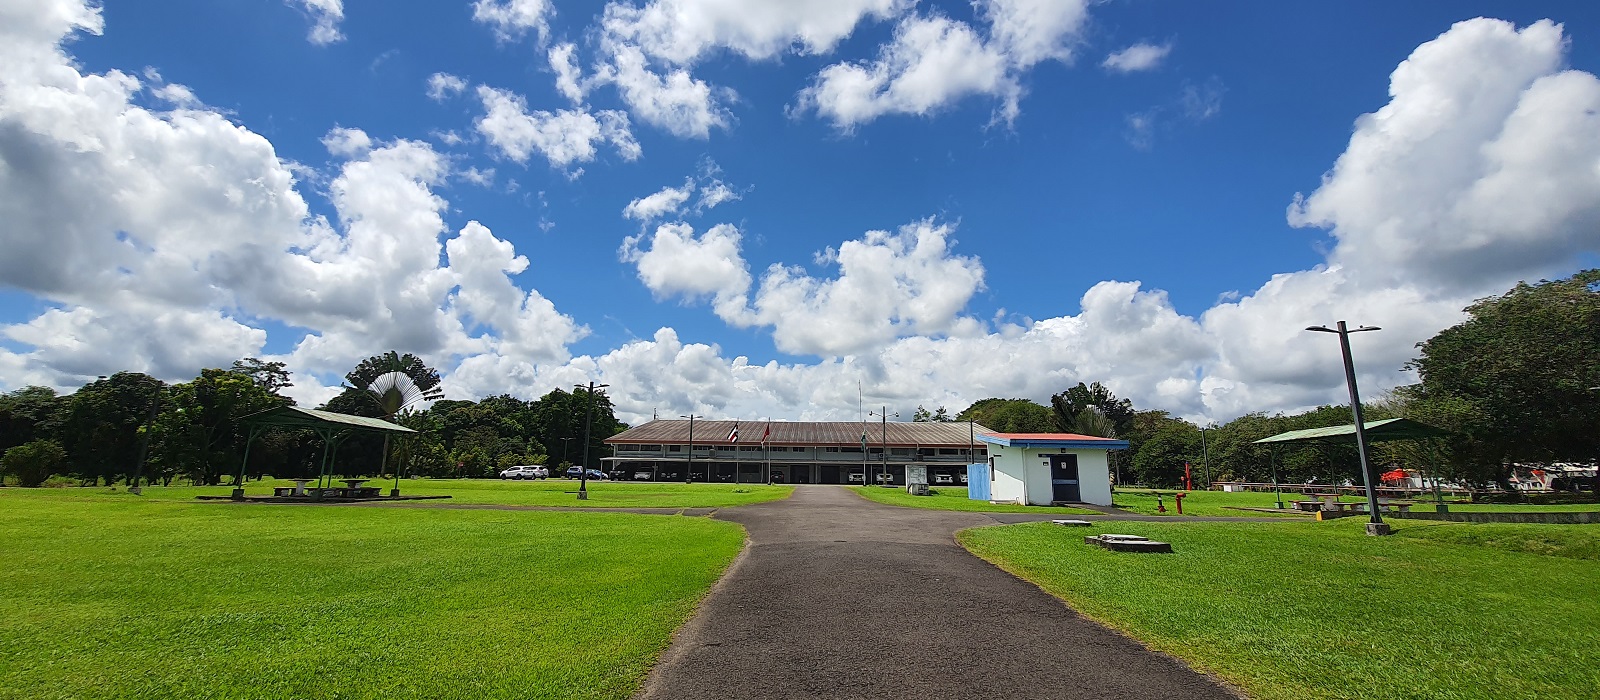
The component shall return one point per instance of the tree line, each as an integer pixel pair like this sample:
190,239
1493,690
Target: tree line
191,432
1516,385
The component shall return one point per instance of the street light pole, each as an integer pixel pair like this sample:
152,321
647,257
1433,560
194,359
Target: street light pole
564,442
1205,457
1375,524
588,436
884,414
688,472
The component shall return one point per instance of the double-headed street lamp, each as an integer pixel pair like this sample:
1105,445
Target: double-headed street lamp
564,442
1375,524
588,435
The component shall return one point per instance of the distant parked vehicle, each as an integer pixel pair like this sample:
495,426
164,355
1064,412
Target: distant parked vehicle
641,475
943,479
575,472
525,472
885,478
858,478
962,478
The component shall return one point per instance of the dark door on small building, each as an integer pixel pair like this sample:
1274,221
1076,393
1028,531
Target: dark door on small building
1064,478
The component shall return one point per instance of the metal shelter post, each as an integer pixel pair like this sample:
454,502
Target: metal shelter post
238,488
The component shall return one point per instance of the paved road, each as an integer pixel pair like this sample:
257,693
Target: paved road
838,597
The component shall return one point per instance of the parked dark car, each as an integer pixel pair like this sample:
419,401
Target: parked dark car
574,472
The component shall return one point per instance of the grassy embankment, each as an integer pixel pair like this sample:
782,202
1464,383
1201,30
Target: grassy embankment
1294,610
121,597
547,492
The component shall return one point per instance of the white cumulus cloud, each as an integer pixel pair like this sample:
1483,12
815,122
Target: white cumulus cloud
563,137
511,19
442,86
1137,57
326,16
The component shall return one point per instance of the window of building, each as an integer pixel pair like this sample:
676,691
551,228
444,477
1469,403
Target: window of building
900,451
674,448
830,449
749,449
650,448
948,451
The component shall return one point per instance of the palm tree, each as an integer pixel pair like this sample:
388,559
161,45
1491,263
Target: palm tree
395,382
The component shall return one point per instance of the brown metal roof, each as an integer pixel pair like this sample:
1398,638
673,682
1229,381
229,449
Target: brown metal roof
708,432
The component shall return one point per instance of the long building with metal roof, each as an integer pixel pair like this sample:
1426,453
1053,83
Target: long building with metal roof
834,452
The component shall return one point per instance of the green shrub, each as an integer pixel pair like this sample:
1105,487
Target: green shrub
33,462
60,481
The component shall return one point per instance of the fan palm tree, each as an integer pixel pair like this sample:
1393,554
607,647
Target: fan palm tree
395,382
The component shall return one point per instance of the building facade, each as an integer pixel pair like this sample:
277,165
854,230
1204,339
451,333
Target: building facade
1045,468
795,452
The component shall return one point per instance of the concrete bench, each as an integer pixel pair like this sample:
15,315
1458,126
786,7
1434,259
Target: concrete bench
1128,543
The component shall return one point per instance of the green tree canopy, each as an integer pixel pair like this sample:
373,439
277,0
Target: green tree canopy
1010,415
1515,378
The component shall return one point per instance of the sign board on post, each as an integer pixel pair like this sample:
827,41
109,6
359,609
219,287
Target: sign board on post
917,481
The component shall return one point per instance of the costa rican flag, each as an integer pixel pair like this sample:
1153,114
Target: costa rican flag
733,435
766,434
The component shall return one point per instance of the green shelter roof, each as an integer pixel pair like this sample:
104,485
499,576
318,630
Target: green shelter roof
1377,431
296,417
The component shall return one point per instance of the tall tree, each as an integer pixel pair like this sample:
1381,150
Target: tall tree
1010,415
28,414
394,383
1525,362
271,376
101,423
200,432
1068,408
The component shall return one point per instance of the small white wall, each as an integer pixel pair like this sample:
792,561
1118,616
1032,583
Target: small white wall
1023,475
1008,471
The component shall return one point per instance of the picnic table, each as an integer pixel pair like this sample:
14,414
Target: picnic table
1333,504
299,488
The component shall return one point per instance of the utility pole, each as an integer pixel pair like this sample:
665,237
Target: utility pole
1205,457
588,436
1375,524
688,472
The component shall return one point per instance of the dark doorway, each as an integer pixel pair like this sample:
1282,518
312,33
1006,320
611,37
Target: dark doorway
829,475
1064,478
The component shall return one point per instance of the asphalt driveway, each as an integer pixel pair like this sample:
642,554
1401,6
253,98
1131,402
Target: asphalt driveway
839,597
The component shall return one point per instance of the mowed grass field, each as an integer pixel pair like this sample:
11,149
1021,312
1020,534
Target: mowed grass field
124,597
953,498
1300,610
1200,502
543,492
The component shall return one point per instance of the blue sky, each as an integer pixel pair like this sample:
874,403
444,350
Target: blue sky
1076,221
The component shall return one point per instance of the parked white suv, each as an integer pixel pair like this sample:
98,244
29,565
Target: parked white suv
527,472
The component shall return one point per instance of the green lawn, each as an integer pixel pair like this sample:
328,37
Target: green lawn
1297,610
547,492
953,498
1429,506
1216,502
149,598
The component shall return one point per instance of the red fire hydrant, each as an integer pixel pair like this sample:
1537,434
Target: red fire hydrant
1178,499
